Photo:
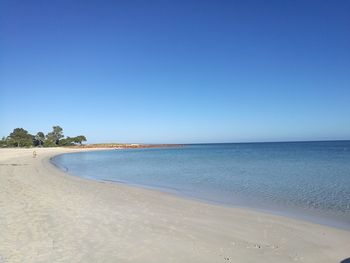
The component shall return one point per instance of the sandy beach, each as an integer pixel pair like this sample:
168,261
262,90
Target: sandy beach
49,216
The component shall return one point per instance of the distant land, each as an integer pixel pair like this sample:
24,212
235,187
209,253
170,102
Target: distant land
124,145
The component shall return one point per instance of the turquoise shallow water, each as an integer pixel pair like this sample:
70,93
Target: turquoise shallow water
300,179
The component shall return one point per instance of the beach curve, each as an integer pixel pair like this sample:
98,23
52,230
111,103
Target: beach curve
49,216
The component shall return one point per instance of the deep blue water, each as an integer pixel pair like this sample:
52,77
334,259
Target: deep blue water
301,179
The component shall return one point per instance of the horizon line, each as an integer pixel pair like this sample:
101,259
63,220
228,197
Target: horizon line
287,141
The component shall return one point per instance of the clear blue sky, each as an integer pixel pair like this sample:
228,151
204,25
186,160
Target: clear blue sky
176,71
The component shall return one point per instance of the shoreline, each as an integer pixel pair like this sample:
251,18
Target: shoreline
48,215
178,194
296,214
309,217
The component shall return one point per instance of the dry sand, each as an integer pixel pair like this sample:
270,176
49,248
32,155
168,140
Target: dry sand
49,216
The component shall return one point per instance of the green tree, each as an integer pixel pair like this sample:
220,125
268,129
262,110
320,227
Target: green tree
79,139
39,139
49,143
66,141
20,138
53,138
3,142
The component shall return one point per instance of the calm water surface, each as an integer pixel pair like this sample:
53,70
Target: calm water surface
301,179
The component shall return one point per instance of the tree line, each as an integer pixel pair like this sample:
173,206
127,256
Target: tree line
22,138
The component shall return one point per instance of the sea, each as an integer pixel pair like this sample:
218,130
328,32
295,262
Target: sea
303,180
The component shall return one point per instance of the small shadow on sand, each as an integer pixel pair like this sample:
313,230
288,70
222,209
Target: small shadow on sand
13,164
347,260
